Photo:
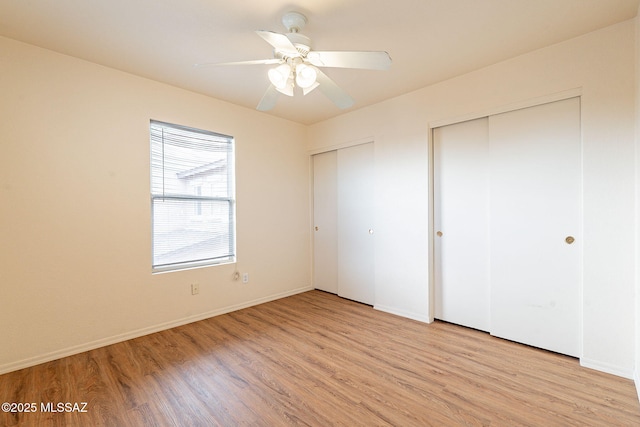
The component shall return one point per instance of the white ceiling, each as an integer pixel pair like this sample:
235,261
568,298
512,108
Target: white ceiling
428,40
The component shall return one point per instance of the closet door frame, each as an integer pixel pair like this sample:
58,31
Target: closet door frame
312,153
559,96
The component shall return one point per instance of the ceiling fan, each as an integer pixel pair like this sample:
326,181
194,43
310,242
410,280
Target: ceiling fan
298,65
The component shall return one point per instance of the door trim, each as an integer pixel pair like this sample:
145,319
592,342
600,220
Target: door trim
431,126
341,145
519,105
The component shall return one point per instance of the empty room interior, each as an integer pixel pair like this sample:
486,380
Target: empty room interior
419,212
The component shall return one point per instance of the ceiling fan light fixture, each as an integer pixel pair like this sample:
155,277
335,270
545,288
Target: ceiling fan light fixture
305,76
299,65
279,76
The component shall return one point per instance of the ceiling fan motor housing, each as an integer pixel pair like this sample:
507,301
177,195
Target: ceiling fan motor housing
301,42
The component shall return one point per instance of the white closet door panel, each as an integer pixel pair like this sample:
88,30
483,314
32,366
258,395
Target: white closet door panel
535,206
325,217
355,223
461,190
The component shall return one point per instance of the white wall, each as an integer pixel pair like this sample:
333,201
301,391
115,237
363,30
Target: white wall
75,243
601,64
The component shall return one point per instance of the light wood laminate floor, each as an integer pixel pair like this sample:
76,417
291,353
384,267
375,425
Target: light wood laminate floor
319,360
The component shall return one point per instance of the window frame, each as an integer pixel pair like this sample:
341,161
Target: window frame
228,258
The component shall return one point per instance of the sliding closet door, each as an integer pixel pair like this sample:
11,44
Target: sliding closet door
355,223
536,226
461,207
325,217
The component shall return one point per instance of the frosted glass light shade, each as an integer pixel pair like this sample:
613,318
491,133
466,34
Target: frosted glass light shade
278,76
305,76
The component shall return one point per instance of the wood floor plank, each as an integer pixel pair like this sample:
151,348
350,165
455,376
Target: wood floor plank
319,360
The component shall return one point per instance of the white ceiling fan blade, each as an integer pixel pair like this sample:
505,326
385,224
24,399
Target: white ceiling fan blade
254,62
332,91
356,59
269,99
279,41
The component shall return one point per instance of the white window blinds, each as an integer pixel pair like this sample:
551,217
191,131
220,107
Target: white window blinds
192,197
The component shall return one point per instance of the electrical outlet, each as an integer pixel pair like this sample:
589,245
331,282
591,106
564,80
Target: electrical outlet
195,289
245,277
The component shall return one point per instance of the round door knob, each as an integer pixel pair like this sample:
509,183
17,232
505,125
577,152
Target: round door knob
317,228
439,233
371,231
569,240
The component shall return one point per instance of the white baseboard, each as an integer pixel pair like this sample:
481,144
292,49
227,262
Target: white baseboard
69,351
402,313
605,367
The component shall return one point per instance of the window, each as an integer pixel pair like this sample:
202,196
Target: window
192,197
